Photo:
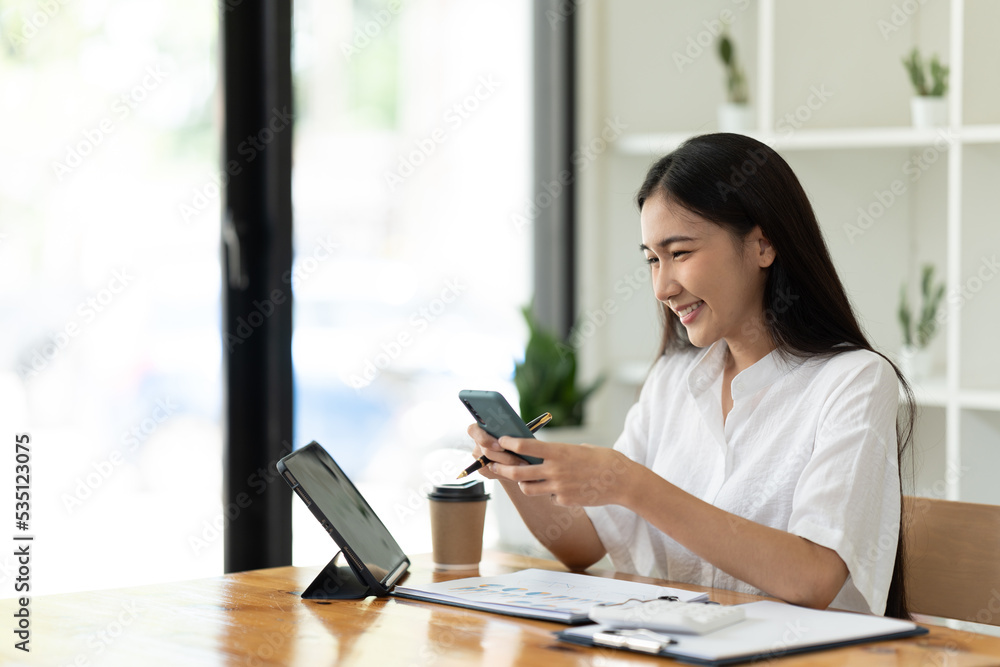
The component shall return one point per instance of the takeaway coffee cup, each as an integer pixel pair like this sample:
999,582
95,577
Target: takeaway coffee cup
458,512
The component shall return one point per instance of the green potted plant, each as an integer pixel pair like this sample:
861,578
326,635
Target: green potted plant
918,331
546,379
928,107
736,114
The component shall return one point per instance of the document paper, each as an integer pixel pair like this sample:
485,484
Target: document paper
556,596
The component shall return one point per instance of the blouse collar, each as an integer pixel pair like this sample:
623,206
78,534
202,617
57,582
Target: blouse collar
760,375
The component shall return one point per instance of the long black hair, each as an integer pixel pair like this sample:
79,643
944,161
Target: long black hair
739,183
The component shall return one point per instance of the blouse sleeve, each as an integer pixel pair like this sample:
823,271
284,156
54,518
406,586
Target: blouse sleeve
848,497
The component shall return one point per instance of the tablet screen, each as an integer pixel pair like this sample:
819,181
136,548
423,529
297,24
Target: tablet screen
343,506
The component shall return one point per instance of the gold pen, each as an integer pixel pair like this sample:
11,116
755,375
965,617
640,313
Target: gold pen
533,426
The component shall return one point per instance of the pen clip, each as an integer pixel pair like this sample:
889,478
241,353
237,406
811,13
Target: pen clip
637,639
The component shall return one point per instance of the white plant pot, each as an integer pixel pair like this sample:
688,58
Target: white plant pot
514,536
929,112
915,363
736,118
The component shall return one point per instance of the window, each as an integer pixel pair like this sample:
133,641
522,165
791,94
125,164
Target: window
109,255
411,162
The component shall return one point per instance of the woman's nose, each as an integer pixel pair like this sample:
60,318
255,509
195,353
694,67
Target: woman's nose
664,286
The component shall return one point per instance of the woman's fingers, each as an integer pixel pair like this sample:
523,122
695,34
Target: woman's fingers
575,474
487,445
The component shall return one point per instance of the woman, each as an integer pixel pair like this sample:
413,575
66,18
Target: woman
763,453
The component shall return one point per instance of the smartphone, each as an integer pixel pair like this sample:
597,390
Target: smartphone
495,416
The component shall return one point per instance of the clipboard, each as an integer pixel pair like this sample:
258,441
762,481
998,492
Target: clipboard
770,630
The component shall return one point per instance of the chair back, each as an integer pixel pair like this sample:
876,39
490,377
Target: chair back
952,559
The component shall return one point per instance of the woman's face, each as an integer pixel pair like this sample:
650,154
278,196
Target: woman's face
714,287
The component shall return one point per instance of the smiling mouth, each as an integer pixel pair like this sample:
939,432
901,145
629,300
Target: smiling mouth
690,309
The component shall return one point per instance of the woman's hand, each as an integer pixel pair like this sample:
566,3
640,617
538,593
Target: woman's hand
487,445
573,475
566,531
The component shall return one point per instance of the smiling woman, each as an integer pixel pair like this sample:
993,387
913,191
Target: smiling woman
763,454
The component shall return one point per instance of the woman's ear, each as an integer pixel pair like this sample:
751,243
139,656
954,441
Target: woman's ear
763,250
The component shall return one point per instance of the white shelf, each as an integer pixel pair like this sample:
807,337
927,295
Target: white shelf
840,138
974,399
933,392
981,134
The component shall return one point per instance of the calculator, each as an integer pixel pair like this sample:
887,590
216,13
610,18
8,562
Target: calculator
695,618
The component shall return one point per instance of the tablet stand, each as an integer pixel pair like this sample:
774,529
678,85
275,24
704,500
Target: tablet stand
337,582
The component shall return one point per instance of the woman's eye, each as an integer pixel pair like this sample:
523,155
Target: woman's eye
678,253
652,260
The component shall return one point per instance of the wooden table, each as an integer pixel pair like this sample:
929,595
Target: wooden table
257,618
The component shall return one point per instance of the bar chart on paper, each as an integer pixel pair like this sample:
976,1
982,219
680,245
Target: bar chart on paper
558,596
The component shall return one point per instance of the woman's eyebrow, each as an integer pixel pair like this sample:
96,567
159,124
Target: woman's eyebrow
667,241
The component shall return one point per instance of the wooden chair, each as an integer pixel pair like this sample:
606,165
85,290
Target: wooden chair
952,559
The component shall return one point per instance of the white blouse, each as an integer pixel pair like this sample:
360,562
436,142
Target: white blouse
809,447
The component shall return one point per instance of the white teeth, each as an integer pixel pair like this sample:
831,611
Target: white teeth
687,311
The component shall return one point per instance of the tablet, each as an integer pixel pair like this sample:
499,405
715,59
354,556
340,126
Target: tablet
374,561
